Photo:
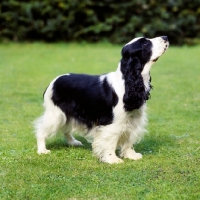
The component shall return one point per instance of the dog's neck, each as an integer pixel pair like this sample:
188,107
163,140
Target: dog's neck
147,68
118,71
146,73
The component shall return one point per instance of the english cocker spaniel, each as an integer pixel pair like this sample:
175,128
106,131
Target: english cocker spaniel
109,109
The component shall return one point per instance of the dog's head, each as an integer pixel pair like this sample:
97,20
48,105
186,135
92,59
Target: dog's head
147,51
137,58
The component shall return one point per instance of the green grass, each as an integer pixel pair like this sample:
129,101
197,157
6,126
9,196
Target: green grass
171,149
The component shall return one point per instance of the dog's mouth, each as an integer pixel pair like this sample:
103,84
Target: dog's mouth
155,59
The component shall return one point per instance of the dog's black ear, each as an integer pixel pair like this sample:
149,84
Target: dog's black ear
129,51
135,95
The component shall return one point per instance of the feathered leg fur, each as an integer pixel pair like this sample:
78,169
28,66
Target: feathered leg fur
105,144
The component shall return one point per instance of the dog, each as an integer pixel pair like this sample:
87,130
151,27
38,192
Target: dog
109,109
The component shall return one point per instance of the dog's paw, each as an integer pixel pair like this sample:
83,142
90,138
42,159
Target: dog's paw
136,156
131,154
111,159
44,151
75,143
116,161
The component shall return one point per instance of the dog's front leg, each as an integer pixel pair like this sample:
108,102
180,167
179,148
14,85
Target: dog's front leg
129,152
104,146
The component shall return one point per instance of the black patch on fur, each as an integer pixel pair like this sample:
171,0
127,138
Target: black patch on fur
85,98
134,57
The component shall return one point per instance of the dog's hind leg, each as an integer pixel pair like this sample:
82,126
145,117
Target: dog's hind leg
47,126
42,133
68,133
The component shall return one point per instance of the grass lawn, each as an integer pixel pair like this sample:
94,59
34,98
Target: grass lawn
170,165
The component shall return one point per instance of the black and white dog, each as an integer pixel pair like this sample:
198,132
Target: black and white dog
109,109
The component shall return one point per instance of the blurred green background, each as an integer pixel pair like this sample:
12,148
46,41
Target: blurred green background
110,20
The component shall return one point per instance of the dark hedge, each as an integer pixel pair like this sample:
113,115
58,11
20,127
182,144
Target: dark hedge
90,20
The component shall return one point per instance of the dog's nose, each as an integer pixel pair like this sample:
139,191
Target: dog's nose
165,38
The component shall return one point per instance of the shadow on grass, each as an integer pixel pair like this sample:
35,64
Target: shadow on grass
60,143
149,145
153,144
